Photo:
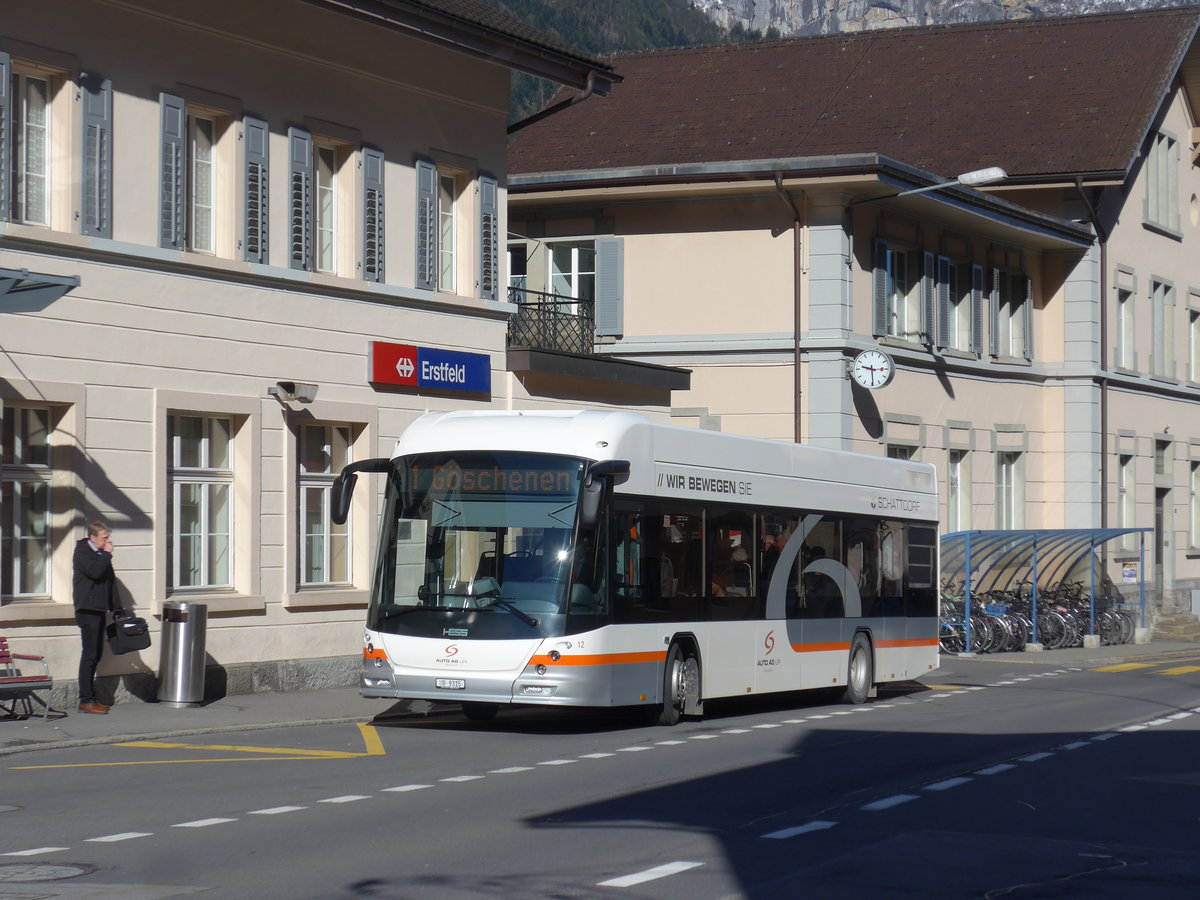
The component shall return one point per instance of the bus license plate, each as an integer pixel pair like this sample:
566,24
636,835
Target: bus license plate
451,684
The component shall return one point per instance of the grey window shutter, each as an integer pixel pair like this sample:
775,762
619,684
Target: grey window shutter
994,314
1027,314
255,138
172,194
372,213
928,314
881,286
300,199
610,286
977,310
943,336
96,156
5,131
489,240
426,225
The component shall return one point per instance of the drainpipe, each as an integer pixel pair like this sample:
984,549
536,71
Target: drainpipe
1102,237
797,269
551,110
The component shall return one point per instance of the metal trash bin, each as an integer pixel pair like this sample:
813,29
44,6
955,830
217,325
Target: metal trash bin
181,664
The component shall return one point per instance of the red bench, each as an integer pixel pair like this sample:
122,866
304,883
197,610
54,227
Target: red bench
18,687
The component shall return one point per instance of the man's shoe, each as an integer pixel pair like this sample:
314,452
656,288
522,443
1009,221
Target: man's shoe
93,707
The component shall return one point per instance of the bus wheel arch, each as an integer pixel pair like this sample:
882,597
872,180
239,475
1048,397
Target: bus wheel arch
860,669
681,681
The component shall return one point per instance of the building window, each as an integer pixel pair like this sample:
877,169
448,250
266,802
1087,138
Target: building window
1162,182
573,270
901,451
1163,459
1010,491
324,547
200,499
1162,309
1126,498
202,132
956,295
1012,322
325,226
1126,335
25,487
447,212
518,267
898,291
958,491
31,150
1194,504
1194,345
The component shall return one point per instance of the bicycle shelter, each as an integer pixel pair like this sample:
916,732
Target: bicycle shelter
1006,560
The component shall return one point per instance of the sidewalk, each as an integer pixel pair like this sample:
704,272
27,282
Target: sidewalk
252,712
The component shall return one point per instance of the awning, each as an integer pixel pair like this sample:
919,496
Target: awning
1003,560
25,291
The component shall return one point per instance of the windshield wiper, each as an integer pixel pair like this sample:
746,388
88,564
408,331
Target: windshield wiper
512,608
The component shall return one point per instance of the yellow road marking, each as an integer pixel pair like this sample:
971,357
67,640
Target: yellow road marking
945,687
1179,670
1126,667
372,746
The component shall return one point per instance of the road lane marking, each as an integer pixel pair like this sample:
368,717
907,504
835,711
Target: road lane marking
345,798
114,838
773,725
1034,757
668,743
557,762
784,834
1179,670
736,731
462,778
996,769
508,770
202,823
36,851
404,788
1107,736
888,802
1125,667
947,784
1074,745
597,755
633,749
275,810
673,868
703,737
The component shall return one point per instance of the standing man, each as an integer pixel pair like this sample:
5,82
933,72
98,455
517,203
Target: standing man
93,593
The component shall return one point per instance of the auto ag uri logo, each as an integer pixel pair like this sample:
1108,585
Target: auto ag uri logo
451,650
769,642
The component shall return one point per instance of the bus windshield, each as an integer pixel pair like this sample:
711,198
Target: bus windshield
477,544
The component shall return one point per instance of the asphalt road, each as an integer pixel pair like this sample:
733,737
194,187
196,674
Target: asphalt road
983,782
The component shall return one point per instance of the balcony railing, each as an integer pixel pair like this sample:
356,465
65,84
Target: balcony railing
551,322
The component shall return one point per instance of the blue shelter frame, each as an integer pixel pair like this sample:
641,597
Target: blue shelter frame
1005,560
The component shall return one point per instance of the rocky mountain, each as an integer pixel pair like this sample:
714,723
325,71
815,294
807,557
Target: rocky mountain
791,18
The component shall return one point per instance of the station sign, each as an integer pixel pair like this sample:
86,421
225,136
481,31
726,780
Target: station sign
411,366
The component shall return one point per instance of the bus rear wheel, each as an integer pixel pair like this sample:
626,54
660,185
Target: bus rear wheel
480,712
860,675
681,685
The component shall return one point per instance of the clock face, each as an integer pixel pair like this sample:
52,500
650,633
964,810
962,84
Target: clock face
872,369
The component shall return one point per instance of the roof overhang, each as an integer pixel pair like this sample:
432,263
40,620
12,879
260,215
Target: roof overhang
24,291
437,26
603,369
861,177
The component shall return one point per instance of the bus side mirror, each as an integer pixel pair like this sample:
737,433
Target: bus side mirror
343,486
594,481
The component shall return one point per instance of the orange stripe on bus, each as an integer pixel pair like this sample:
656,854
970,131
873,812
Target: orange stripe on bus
374,654
600,659
818,648
879,645
907,642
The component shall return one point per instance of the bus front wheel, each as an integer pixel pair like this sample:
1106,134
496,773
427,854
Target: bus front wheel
860,676
681,685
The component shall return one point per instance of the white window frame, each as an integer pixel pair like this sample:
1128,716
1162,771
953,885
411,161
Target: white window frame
1162,306
210,476
22,126
337,443
1162,182
202,201
327,164
905,282
1010,489
448,192
1126,347
1126,496
1011,338
958,490
20,478
961,299
1194,504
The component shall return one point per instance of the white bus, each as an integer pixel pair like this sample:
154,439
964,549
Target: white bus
597,559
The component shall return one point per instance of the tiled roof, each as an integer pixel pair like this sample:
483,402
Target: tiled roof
1037,97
